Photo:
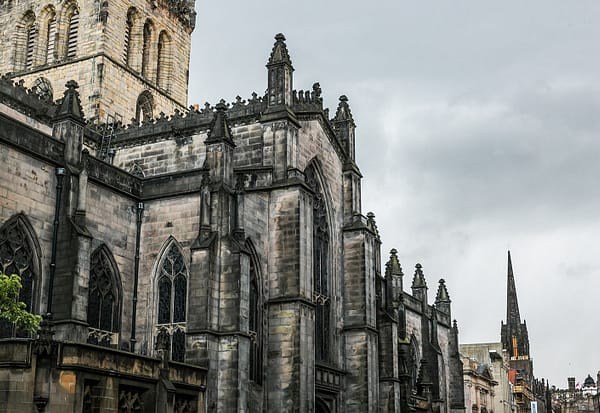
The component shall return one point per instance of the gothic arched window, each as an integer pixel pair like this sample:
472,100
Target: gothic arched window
163,61
25,41
128,32
255,324
72,33
146,44
43,88
143,109
47,36
321,278
17,256
413,361
172,302
103,298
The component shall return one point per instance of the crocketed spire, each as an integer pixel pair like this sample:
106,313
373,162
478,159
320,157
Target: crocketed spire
419,277
343,113
442,293
279,54
220,130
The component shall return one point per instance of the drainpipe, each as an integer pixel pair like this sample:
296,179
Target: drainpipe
60,174
136,272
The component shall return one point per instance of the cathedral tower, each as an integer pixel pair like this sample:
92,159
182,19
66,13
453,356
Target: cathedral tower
130,58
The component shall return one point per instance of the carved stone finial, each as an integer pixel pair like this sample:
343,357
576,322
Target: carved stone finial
279,54
70,105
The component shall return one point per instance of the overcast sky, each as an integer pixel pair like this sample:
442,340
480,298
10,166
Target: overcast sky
478,132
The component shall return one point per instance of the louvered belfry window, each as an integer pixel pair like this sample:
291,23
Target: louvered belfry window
72,34
51,40
127,45
172,297
31,35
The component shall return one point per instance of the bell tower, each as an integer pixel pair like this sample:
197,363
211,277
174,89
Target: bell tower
130,58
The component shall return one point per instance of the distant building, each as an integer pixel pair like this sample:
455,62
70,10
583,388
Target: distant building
578,397
479,386
496,359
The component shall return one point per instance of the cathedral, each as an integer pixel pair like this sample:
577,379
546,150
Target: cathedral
201,259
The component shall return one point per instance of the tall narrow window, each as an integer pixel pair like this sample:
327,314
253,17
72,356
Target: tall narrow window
146,42
72,34
163,61
172,299
321,283
31,36
255,325
103,298
51,40
128,30
17,257
25,38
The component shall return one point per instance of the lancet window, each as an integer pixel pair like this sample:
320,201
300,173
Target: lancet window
321,277
25,41
146,43
17,257
163,61
255,325
172,303
72,34
103,298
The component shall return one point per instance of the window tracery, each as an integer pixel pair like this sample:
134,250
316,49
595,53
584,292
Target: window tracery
145,103
321,279
43,88
172,301
255,325
103,298
17,257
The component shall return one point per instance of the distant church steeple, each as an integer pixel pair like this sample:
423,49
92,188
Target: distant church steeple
514,335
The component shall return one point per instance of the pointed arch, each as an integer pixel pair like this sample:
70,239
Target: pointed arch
20,254
256,300
171,288
144,107
25,41
163,60
322,271
68,30
104,298
47,35
413,360
147,35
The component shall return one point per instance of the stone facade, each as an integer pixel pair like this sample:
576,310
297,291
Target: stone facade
130,58
479,386
496,358
223,249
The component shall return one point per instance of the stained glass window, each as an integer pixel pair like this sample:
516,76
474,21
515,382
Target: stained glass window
103,296
320,268
255,327
172,299
17,257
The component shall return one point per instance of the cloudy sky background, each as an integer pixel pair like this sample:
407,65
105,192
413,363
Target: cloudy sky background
478,132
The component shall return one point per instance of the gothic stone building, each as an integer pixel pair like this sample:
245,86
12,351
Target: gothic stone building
214,260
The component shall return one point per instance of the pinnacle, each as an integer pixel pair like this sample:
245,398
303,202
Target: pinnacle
419,277
279,54
343,112
442,293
